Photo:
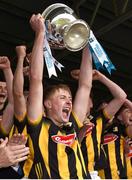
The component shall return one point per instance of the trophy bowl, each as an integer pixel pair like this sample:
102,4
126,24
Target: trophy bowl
64,29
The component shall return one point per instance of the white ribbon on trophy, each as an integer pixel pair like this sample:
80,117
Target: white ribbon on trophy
99,55
50,60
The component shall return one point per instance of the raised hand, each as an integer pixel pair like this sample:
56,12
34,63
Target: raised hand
96,74
4,62
21,51
37,23
75,73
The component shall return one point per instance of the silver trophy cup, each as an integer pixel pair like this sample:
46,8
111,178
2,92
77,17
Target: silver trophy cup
64,29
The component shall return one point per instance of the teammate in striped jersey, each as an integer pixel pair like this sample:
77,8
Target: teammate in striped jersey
6,105
20,98
114,147
92,143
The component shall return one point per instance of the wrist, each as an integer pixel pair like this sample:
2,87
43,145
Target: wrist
6,68
21,57
40,34
102,78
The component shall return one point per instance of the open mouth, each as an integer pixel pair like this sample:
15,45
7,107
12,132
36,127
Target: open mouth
66,112
2,95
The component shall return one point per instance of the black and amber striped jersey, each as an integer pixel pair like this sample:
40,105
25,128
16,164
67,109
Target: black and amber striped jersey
129,161
114,150
91,144
129,167
54,152
3,132
20,124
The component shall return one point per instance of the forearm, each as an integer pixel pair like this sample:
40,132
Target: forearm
115,90
81,101
86,69
36,70
18,78
35,98
9,82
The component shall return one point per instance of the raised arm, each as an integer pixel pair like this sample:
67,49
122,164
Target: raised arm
35,100
128,104
119,96
81,102
18,84
127,118
7,118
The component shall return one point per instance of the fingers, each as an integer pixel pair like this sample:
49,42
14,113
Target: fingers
17,153
21,47
10,155
16,147
3,142
21,155
35,17
75,73
3,60
17,139
37,23
21,152
21,159
21,51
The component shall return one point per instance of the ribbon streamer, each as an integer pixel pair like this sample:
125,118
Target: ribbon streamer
100,57
49,59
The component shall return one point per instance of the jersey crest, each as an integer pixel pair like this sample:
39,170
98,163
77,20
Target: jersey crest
66,139
109,138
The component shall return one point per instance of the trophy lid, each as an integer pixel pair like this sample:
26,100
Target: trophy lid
56,6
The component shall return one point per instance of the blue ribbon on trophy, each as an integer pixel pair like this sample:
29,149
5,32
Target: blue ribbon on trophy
100,57
50,61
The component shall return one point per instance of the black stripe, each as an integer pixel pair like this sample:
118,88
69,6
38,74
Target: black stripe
95,145
73,120
34,131
107,170
52,149
125,164
121,169
84,151
20,125
85,176
71,163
